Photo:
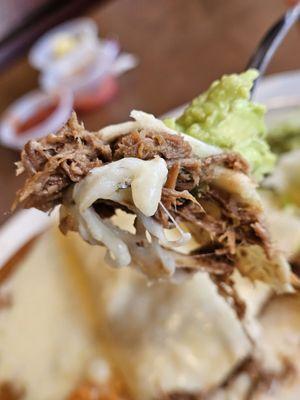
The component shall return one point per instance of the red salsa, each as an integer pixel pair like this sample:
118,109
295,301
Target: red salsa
35,119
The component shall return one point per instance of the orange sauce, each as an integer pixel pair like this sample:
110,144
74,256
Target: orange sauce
98,97
40,116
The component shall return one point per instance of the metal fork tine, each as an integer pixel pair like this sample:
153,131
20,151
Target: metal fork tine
271,41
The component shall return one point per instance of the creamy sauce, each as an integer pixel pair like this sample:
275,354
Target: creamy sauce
163,337
170,337
45,335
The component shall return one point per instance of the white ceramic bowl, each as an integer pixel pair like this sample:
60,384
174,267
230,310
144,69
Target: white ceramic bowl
27,108
69,45
98,67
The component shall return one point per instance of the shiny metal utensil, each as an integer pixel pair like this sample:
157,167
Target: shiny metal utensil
271,41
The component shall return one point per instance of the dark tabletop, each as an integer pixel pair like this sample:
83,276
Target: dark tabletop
182,45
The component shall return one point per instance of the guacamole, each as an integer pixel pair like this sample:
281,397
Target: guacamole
284,138
285,179
225,116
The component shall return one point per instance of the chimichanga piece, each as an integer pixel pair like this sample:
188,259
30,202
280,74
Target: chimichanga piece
169,181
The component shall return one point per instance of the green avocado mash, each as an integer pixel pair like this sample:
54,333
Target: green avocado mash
225,116
284,138
285,179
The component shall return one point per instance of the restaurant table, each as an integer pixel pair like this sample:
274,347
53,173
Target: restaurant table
182,46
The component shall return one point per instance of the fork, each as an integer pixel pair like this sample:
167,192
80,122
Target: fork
271,41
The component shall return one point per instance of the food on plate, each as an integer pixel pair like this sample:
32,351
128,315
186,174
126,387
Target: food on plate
107,332
46,327
281,191
284,137
154,197
156,333
168,340
285,180
179,190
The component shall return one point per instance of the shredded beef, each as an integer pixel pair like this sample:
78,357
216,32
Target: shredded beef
173,148
229,160
212,217
189,171
173,172
295,264
216,220
205,260
56,161
182,396
147,145
261,380
227,290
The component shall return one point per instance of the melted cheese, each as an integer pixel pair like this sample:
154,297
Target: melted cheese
146,179
163,337
279,341
170,337
46,335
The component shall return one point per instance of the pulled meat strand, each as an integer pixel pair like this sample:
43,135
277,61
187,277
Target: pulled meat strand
230,160
228,226
204,261
182,396
189,173
295,263
173,172
261,380
56,161
216,220
183,166
226,289
146,145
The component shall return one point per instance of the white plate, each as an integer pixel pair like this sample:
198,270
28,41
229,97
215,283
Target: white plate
279,90
281,94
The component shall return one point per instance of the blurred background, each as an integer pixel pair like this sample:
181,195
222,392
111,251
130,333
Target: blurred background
177,48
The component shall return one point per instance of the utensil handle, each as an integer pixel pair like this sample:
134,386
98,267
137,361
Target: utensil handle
272,39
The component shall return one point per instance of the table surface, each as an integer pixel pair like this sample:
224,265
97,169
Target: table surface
182,46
